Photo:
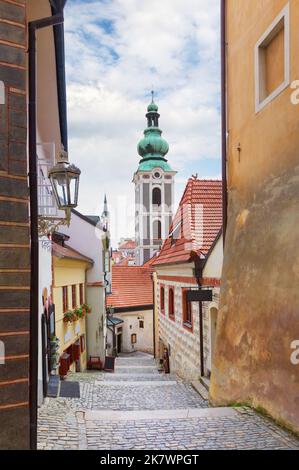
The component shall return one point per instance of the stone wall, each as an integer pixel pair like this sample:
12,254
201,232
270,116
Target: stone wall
184,345
14,230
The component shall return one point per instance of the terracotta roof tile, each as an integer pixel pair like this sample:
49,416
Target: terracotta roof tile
132,286
196,223
127,245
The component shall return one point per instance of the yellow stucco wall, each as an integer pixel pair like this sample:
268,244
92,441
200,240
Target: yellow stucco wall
68,272
258,318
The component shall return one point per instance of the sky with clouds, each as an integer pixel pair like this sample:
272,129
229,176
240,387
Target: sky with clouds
116,52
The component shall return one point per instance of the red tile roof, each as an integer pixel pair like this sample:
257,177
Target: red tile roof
132,286
196,224
67,252
126,261
127,245
151,261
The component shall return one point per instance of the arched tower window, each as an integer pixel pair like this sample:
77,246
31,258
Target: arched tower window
157,230
156,196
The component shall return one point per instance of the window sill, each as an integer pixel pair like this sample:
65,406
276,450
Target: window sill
188,326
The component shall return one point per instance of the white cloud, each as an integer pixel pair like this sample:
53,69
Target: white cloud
116,51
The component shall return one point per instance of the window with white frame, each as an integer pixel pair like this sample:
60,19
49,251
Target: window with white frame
272,60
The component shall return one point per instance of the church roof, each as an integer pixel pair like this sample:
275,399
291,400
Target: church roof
152,147
196,224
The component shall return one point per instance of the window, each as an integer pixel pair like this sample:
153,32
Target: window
141,324
81,294
272,60
133,338
162,299
157,196
175,234
187,311
65,299
171,303
157,230
82,343
74,296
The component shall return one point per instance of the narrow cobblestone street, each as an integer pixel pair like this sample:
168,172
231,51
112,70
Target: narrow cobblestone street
139,408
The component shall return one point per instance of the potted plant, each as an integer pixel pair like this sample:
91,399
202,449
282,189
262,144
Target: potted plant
69,317
78,312
86,308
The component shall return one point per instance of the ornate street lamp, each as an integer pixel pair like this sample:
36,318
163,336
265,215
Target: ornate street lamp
64,179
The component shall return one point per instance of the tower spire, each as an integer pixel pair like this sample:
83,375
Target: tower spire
105,216
105,211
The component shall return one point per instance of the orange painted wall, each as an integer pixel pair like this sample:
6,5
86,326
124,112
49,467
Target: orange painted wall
259,314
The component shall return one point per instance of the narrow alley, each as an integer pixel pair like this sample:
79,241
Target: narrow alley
139,408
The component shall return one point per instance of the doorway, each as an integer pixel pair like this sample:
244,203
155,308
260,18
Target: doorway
119,343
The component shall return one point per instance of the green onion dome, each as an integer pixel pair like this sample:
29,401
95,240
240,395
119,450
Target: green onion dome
152,144
152,108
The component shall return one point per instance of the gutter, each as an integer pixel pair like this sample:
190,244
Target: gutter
154,313
34,26
223,117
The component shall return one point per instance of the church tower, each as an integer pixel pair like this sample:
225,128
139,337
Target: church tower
154,189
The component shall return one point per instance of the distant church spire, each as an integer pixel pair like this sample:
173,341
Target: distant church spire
105,211
105,216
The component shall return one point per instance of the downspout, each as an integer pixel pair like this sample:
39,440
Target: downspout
198,275
223,118
33,26
154,314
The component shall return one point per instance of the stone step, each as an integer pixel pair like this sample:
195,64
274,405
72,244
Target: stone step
135,371
136,383
136,415
200,389
135,361
135,366
205,382
136,377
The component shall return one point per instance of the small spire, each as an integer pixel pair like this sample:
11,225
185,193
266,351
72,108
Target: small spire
105,212
152,92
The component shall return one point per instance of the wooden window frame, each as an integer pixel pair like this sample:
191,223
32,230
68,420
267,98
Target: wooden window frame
187,314
82,343
171,309
269,34
74,296
81,294
133,338
65,299
162,299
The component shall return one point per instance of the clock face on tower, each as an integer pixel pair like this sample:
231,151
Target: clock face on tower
157,175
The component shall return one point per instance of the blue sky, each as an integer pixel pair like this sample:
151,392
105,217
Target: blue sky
116,51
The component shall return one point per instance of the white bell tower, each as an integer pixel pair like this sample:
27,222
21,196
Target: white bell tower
154,190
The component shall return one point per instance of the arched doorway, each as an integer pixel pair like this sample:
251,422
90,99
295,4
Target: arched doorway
213,327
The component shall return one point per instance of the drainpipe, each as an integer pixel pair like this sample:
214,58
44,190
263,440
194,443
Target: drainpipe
198,275
33,26
154,315
223,117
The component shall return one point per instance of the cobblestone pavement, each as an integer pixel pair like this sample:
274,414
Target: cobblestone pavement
113,413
